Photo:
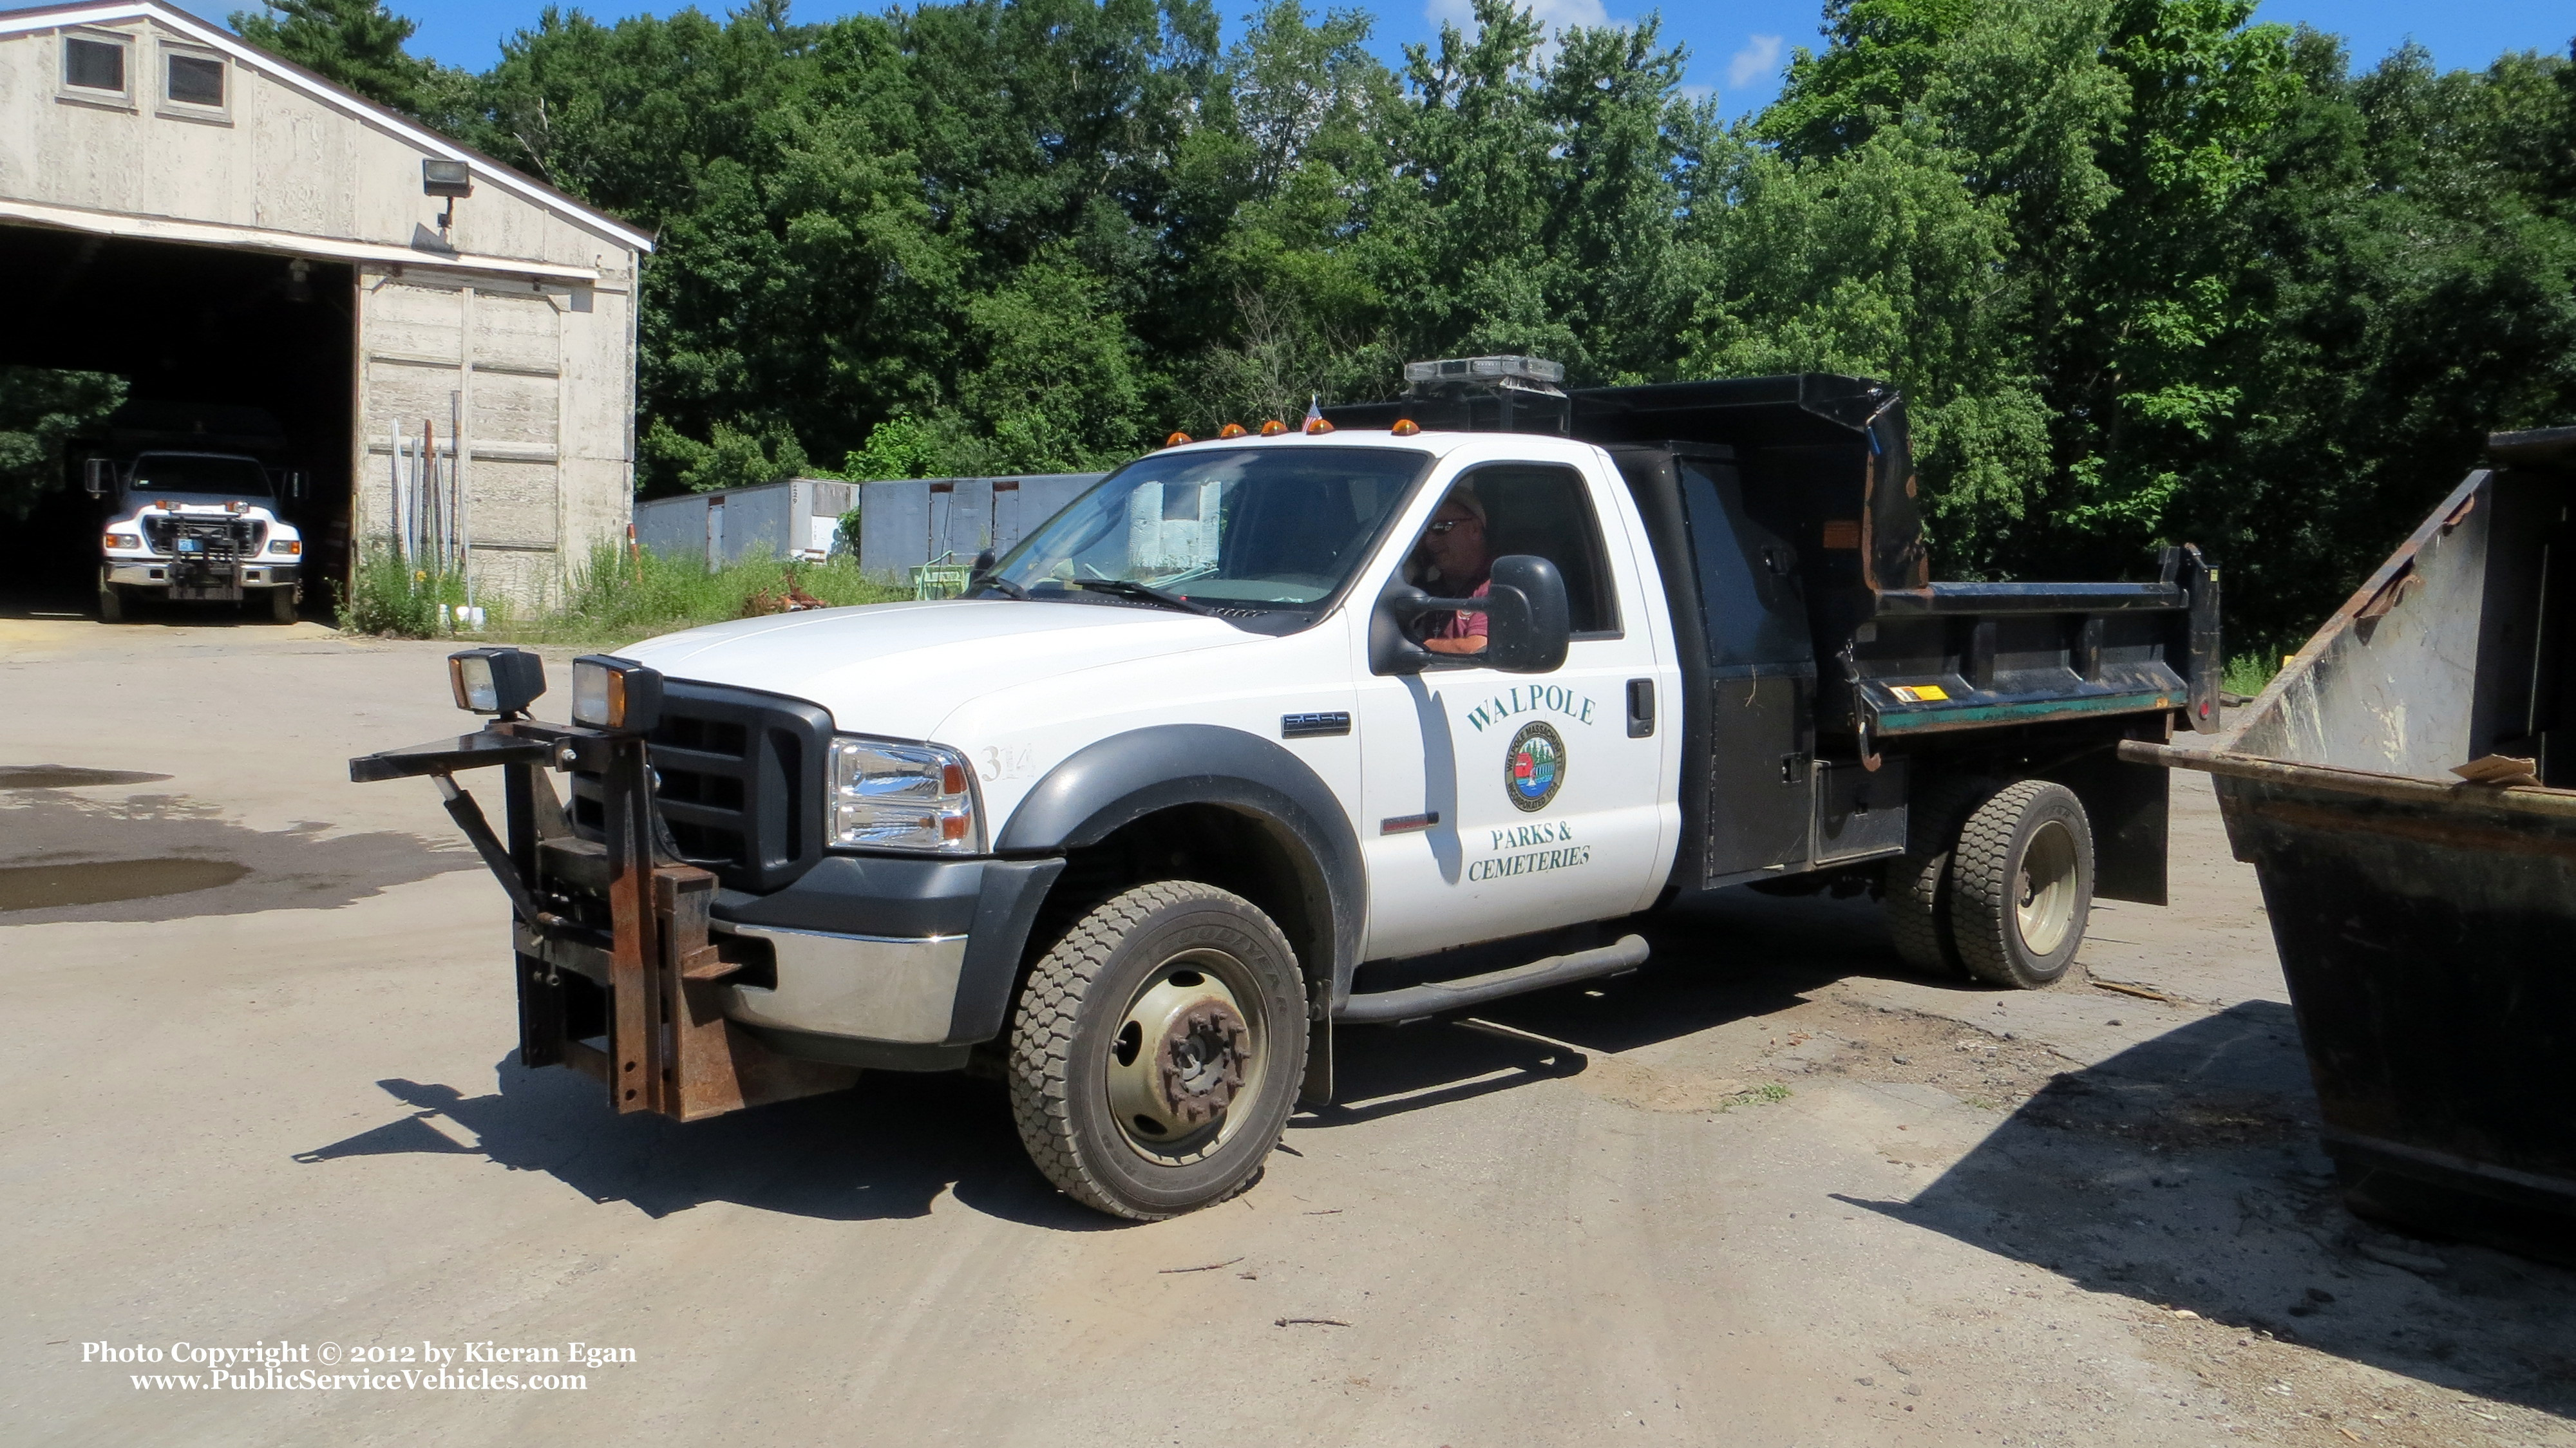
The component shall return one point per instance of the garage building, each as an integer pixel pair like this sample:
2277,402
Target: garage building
257,251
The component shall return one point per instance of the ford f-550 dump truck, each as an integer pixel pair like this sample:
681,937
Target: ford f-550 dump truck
1404,711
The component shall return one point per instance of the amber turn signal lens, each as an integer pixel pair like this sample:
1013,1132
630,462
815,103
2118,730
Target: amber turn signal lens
1405,427
1273,428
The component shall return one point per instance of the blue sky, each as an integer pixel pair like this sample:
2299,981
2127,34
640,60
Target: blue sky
1737,47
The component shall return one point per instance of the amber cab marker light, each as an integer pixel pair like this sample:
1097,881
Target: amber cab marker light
1405,427
1231,429
1273,428
1176,439
1318,427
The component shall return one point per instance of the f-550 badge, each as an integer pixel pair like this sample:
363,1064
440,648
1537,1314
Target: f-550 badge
1534,767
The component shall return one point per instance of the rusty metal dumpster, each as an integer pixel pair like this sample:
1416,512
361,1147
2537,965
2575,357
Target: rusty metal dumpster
2406,791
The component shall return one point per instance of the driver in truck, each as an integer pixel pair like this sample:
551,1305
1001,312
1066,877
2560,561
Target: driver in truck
1453,547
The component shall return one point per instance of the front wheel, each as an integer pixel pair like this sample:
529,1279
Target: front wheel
2021,885
1156,1051
111,600
281,605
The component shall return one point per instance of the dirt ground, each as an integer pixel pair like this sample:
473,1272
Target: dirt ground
1772,1189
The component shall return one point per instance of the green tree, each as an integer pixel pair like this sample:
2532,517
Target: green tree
41,411
357,43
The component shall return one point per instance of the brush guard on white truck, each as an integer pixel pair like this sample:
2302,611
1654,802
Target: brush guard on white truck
617,976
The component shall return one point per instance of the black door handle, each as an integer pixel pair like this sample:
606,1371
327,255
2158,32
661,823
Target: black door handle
1641,708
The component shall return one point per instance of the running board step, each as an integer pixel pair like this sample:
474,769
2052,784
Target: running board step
1419,1002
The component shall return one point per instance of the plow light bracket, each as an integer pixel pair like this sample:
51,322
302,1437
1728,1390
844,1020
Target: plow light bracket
496,681
613,693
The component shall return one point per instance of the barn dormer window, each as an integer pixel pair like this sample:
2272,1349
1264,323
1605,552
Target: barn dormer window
97,68
196,80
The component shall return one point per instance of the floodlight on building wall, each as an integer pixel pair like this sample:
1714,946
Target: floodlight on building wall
451,179
446,178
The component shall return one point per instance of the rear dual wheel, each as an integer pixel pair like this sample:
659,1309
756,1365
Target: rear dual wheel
1157,1050
2008,899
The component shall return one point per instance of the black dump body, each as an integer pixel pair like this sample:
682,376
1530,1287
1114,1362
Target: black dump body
2427,921
1830,678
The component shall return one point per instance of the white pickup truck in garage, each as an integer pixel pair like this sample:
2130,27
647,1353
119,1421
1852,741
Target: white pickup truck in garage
1269,735
194,527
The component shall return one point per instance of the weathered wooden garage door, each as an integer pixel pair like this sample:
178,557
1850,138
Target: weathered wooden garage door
489,355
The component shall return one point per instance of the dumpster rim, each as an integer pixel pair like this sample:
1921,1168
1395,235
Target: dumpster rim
2522,798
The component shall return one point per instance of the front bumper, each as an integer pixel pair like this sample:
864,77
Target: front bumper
870,951
140,573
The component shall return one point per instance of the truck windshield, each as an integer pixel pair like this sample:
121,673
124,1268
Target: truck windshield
200,474
1271,530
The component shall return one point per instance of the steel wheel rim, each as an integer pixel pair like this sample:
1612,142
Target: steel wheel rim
2044,889
1191,1019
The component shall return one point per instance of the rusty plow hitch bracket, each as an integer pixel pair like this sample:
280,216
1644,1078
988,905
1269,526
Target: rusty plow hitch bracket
616,975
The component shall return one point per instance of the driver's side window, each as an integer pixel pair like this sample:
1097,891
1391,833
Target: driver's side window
1506,508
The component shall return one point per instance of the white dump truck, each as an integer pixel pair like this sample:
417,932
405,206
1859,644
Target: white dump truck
195,527
1269,735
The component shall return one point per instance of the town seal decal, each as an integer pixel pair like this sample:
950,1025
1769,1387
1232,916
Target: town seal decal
1534,767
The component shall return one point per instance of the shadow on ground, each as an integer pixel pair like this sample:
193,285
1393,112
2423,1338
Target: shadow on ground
886,1148
891,1145
2185,1172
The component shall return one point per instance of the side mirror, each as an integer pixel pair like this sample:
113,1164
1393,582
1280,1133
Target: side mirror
1526,621
295,486
98,476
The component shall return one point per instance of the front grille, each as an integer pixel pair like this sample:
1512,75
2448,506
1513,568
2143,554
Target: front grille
739,782
245,536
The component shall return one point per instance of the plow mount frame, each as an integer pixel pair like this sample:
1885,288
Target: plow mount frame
668,1047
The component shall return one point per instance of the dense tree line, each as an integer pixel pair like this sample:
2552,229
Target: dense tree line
2146,270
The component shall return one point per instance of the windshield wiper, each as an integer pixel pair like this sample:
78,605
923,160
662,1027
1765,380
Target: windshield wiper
1142,593
1004,586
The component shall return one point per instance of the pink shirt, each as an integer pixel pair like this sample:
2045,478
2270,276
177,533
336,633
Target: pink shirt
1466,625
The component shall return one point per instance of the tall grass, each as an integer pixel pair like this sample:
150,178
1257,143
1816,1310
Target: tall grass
391,597
615,598
618,597
2250,674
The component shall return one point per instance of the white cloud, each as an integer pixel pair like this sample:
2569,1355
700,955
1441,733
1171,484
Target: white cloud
1553,15
1754,61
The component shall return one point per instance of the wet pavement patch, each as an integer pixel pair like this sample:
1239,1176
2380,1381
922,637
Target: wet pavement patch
68,776
97,882
168,857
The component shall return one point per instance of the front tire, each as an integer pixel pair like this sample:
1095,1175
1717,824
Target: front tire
281,605
2021,885
1156,1051
111,600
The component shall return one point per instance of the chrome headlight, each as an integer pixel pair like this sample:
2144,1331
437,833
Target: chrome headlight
892,796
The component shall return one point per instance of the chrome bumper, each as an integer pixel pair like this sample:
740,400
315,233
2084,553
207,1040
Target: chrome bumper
862,987
141,574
